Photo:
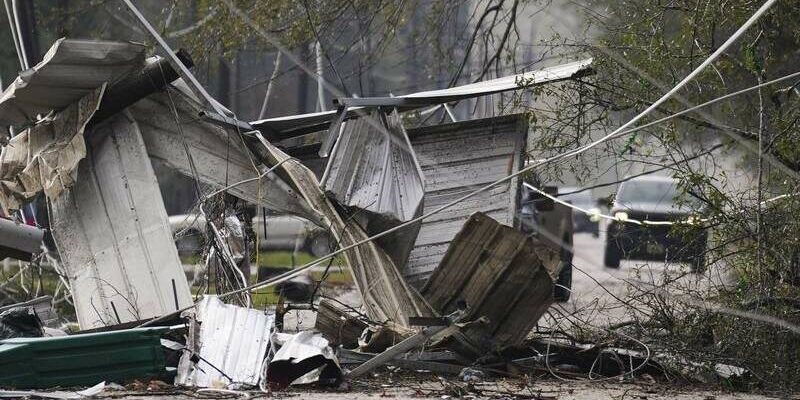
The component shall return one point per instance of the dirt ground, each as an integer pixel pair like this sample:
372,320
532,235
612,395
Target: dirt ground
429,388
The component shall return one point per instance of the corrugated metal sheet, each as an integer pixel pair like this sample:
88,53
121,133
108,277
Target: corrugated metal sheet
69,71
231,338
385,294
112,233
374,169
219,156
456,159
376,172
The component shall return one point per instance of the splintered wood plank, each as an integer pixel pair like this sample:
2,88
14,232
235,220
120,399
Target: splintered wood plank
338,326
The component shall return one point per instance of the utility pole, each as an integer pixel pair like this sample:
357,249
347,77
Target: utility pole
320,70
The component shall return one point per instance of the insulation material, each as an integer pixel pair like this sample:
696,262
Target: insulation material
70,70
112,233
220,156
373,170
45,156
456,159
226,337
501,274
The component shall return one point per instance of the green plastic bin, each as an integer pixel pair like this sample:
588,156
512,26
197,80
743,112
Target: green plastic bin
82,359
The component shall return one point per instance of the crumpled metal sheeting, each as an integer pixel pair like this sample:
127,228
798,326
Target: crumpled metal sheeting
45,156
375,170
219,155
386,295
231,338
303,358
501,274
69,71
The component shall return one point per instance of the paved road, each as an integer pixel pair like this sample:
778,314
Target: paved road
597,290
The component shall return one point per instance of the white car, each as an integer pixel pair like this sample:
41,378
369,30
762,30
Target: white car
283,232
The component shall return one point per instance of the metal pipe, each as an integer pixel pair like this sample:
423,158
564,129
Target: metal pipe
150,79
183,69
320,87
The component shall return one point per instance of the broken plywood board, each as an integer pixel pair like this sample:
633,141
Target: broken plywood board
219,156
385,294
373,171
112,233
456,159
501,274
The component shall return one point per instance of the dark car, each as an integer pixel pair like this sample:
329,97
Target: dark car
582,222
656,199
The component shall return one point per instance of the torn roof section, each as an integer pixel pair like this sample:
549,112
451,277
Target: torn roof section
69,71
295,125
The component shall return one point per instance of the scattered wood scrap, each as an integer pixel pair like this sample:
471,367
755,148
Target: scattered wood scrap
337,325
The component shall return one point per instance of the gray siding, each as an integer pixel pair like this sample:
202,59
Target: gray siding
456,159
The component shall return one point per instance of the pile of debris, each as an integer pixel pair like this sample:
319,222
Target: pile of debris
438,294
